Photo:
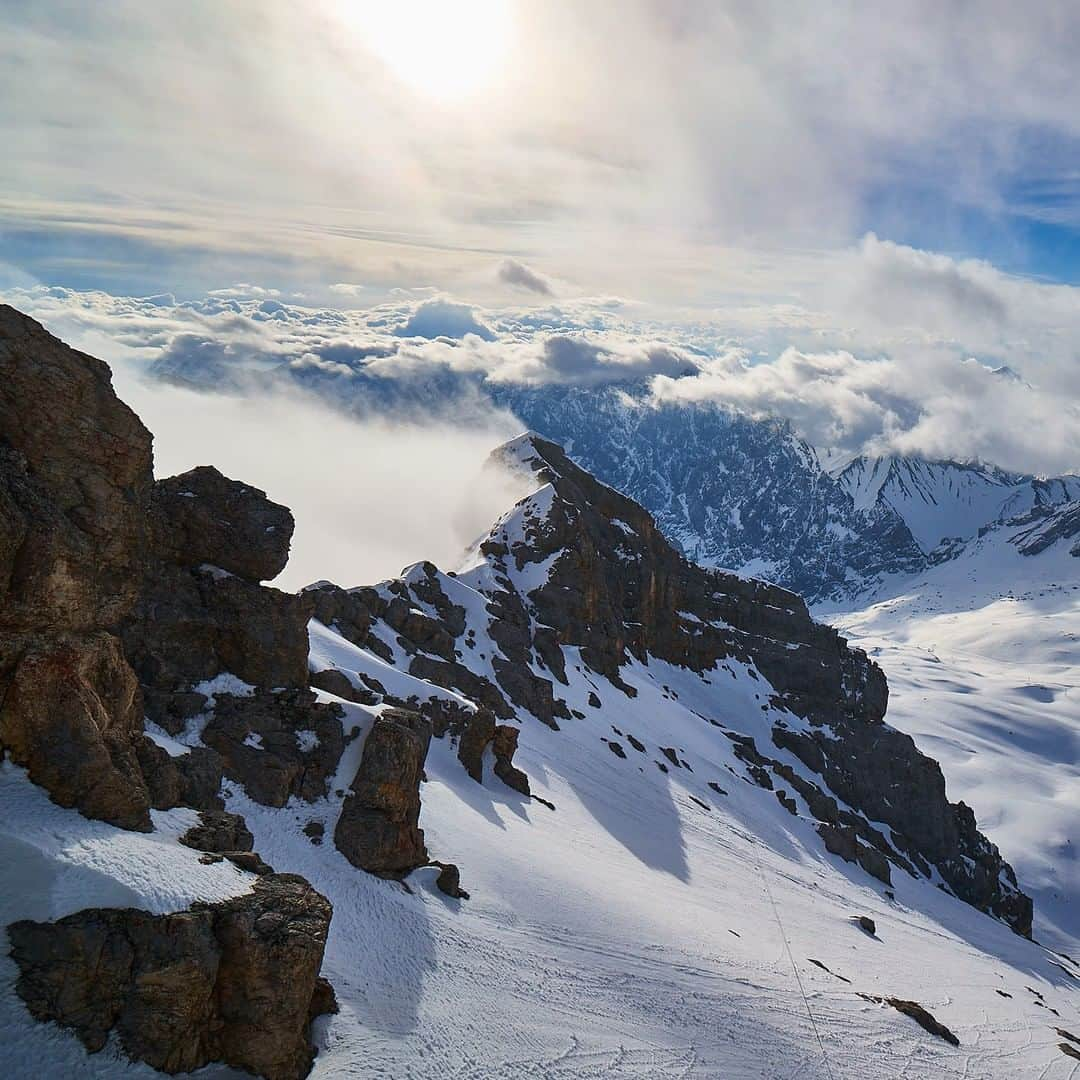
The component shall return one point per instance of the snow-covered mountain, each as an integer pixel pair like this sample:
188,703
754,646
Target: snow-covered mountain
579,808
727,489
983,656
948,500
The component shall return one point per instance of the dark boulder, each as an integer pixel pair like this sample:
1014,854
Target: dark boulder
504,746
277,744
192,624
219,832
234,982
338,683
201,517
378,829
449,881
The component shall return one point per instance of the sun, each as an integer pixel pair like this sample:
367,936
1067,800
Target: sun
446,50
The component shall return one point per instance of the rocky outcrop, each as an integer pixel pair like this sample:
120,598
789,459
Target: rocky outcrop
98,567
378,829
504,746
75,478
201,611
277,744
201,517
234,982
615,588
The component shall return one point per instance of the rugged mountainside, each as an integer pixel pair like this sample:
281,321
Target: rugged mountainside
983,658
578,566
728,490
671,797
92,546
948,500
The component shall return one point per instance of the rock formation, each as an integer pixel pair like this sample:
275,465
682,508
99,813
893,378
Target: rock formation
577,565
75,478
101,567
235,982
201,610
378,829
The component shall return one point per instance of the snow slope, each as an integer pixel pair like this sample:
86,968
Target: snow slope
632,932
983,658
649,925
941,500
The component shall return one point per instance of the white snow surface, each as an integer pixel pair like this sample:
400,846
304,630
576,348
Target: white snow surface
650,926
982,654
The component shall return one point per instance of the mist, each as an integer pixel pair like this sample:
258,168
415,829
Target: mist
370,496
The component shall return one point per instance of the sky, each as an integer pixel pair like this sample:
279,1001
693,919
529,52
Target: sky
862,216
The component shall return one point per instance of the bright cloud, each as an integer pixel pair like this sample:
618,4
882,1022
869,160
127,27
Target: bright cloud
895,349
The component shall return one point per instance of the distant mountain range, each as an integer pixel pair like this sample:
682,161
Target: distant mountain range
728,490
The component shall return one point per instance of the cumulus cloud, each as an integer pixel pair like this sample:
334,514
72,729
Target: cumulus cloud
922,401
898,284
438,317
512,272
580,361
645,146
919,375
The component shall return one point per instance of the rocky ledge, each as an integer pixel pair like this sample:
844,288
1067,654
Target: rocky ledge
236,982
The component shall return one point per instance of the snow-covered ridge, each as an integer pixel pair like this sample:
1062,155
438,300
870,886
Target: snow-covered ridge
941,500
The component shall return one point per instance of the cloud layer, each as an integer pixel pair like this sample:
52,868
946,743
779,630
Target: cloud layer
894,350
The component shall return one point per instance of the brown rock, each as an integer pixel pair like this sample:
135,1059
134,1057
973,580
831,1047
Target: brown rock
479,731
75,476
449,881
72,716
337,683
504,746
277,745
378,829
235,982
201,517
71,558
219,832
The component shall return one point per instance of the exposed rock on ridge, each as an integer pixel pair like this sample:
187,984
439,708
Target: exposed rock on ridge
236,982
75,478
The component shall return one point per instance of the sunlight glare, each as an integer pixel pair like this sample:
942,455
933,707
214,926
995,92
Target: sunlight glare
447,50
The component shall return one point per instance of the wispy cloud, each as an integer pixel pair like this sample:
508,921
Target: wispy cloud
637,147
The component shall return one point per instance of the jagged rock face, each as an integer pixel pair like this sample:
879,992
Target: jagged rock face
725,489
75,475
378,829
277,744
577,565
616,588
232,982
